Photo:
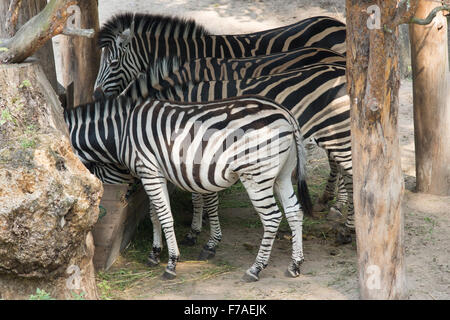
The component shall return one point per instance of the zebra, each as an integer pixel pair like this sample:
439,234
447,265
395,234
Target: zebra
202,148
210,69
315,94
169,72
133,42
217,69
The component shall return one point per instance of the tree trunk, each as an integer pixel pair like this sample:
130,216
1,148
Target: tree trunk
80,56
429,53
373,82
45,55
36,32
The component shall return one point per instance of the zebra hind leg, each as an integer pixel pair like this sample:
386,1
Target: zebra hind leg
330,188
153,257
196,227
335,211
345,232
263,201
211,208
294,215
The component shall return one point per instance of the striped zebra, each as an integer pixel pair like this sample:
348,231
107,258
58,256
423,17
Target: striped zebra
210,69
202,148
109,173
133,42
168,73
315,94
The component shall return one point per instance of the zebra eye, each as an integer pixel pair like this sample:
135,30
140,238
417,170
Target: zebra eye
114,62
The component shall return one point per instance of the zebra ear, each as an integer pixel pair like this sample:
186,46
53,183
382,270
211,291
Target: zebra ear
124,37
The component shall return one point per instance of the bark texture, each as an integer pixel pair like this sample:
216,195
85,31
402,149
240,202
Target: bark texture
429,52
36,32
81,56
26,11
373,80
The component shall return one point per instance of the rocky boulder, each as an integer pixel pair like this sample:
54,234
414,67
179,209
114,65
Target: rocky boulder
48,199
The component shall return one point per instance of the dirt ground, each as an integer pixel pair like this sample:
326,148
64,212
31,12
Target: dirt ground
329,271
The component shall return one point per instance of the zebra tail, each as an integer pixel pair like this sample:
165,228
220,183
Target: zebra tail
303,192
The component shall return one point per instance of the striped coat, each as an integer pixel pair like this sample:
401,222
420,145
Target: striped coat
202,148
315,94
133,42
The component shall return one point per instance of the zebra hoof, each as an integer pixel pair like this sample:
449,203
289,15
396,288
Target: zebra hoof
169,274
207,254
343,235
152,262
293,271
249,276
189,240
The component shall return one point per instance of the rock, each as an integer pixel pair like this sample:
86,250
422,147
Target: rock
49,200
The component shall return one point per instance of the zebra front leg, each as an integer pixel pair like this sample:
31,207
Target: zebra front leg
153,257
196,227
156,188
211,207
265,205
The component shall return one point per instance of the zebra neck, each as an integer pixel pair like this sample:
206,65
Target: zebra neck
162,75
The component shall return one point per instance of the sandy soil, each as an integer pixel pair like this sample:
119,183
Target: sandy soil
330,272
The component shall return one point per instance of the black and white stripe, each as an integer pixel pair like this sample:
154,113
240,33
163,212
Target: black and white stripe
202,148
315,94
133,42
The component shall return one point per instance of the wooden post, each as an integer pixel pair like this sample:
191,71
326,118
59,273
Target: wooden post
373,83
429,53
80,56
29,9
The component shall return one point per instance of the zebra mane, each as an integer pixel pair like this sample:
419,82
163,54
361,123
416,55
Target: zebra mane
163,67
156,79
153,77
180,27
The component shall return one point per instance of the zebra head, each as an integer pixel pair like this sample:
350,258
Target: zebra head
117,65
131,42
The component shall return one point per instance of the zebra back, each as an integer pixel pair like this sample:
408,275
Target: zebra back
168,72
307,92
